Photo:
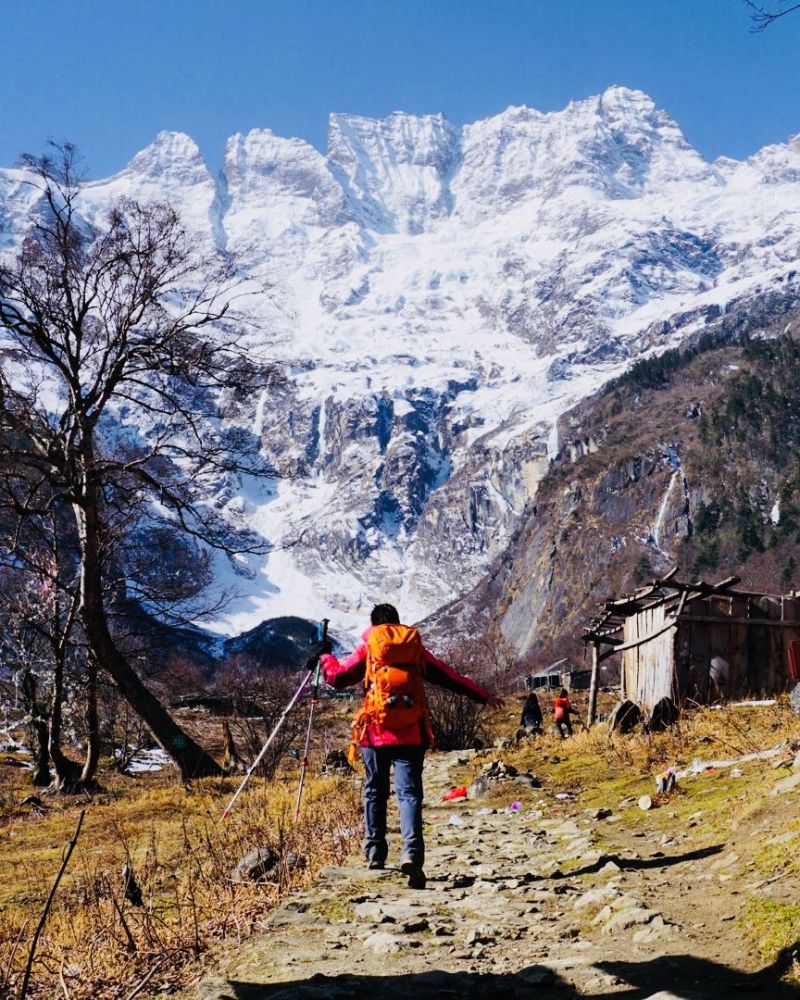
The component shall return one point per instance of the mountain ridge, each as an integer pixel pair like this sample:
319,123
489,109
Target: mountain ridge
438,296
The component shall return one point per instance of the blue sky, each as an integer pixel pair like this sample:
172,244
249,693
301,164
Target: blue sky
110,74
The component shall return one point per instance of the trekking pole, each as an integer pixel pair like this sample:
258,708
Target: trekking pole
322,635
227,810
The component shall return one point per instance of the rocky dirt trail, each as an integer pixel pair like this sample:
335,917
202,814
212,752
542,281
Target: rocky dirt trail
532,903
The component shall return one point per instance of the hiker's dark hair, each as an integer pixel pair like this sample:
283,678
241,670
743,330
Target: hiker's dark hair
384,614
563,693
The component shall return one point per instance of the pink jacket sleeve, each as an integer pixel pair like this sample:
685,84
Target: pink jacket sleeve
348,672
442,675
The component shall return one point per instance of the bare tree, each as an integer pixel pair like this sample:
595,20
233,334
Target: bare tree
38,619
763,17
458,723
116,359
257,700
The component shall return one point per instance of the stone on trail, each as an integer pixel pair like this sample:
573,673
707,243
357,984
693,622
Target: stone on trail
382,943
724,862
291,918
537,977
665,995
415,925
654,931
623,920
787,784
482,934
373,912
596,897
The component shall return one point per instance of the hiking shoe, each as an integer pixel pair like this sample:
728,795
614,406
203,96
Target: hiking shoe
374,863
416,876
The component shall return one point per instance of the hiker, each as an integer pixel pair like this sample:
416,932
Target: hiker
394,727
562,709
531,718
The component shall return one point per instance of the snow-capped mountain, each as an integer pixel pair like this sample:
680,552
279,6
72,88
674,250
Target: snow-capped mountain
439,295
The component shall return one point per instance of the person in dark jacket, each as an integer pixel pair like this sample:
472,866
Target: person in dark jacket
402,749
531,719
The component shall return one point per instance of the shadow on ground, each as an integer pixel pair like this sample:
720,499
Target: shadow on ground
639,864
681,976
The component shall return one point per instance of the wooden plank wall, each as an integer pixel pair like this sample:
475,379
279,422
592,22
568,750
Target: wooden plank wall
676,663
648,669
757,654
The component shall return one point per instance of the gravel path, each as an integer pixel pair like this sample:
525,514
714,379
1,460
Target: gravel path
517,905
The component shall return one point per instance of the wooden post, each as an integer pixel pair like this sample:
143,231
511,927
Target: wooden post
592,711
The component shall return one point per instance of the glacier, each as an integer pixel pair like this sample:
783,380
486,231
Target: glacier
436,296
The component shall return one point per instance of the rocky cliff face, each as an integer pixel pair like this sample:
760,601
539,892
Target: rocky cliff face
436,297
685,461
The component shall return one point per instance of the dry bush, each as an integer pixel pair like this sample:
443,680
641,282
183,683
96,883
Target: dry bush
97,944
458,723
258,699
487,659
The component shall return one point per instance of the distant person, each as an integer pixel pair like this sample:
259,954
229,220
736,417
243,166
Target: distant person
718,674
562,709
393,729
531,719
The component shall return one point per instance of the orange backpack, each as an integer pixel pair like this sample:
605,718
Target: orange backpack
394,692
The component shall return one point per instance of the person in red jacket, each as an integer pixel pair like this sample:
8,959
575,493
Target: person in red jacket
562,709
402,749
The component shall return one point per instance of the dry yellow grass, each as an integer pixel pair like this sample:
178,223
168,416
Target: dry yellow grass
705,733
95,943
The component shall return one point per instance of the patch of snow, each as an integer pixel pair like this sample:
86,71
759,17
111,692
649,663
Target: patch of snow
146,761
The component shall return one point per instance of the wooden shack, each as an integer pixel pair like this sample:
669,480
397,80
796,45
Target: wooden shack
697,640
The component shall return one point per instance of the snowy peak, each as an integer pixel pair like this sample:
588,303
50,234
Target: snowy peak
170,169
278,183
172,157
18,196
779,163
651,146
395,170
437,297
617,145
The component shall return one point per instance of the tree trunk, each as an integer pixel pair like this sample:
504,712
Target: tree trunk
41,768
39,721
67,771
92,727
190,758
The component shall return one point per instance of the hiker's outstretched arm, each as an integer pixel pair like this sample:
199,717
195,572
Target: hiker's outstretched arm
442,675
348,672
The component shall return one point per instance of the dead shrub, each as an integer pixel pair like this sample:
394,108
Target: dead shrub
458,723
